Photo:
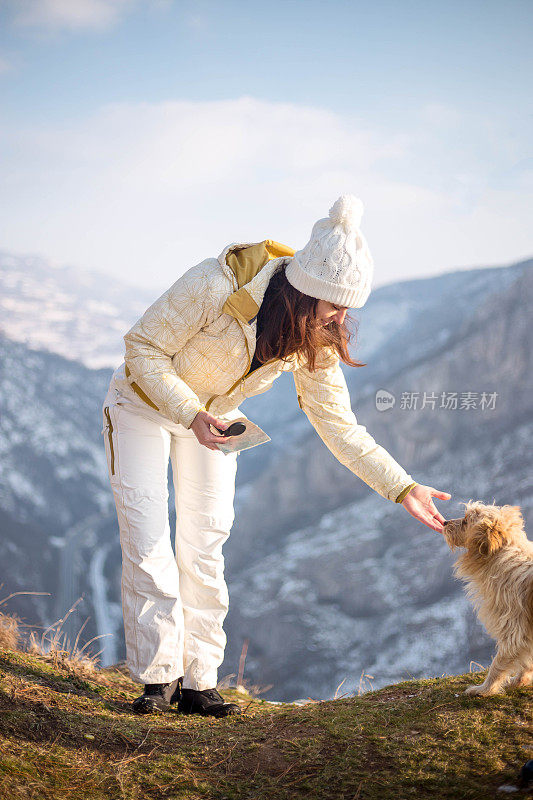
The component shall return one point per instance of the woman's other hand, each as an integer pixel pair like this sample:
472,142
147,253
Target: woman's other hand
202,431
418,502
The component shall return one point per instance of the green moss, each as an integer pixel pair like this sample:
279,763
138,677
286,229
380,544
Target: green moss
67,735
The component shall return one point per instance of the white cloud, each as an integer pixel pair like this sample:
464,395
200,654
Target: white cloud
146,190
68,14
75,15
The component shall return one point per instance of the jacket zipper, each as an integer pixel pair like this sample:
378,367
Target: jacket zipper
241,379
110,436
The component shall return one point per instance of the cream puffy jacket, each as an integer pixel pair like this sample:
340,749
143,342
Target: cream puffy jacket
192,349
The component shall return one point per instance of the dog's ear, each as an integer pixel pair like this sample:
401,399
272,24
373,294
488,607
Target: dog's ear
510,521
494,527
486,538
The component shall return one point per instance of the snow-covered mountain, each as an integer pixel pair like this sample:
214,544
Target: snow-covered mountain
326,578
54,492
437,316
77,314
363,586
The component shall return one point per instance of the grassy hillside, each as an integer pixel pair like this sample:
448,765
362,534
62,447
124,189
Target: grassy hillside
67,731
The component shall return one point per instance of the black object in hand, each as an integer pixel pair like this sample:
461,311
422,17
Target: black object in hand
235,429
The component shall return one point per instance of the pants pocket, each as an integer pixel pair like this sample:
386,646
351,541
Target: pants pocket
107,430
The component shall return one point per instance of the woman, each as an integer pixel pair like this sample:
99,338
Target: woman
187,366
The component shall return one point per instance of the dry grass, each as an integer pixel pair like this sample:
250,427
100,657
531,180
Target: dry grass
9,632
68,732
52,644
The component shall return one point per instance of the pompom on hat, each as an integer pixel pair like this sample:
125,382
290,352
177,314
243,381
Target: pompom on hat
335,264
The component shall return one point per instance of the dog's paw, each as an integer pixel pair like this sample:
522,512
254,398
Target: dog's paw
481,690
474,690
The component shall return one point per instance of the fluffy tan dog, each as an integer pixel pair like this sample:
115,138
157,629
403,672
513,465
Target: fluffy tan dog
497,568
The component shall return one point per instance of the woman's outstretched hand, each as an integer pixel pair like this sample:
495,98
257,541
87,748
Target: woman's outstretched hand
202,431
419,503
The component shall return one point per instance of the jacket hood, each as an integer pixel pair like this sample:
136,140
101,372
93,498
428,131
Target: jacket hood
245,259
245,263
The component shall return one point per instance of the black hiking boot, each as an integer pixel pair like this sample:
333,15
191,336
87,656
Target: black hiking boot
158,697
209,703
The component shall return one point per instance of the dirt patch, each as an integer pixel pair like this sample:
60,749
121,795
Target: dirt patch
271,750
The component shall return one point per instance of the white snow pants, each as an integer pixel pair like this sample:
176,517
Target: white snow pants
173,604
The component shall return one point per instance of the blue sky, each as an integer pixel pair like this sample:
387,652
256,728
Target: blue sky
138,137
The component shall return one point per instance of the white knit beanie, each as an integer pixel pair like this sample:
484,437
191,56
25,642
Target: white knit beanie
335,264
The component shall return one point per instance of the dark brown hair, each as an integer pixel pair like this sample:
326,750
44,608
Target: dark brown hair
288,324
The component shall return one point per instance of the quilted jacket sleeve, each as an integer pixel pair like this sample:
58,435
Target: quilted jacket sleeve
323,396
160,333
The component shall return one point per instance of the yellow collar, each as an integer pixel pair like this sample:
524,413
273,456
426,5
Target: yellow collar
252,267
